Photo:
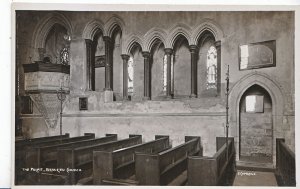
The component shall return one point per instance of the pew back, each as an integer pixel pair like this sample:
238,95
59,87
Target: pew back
82,157
285,164
63,141
21,144
162,168
213,171
121,162
38,156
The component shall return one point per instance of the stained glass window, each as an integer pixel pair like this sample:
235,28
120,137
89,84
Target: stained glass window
130,76
64,56
211,80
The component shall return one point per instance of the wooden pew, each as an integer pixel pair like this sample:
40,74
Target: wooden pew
285,164
120,164
216,170
40,139
20,155
45,179
66,140
22,144
81,158
46,156
167,167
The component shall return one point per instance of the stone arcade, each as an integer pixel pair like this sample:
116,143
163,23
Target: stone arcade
158,73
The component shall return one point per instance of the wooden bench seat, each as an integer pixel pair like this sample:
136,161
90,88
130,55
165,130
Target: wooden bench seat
120,164
37,156
21,144
63,141
164,167
216,170
74,158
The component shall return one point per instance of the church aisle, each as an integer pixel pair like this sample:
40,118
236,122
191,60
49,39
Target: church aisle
254,178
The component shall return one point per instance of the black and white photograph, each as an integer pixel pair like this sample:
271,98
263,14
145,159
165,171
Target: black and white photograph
168,97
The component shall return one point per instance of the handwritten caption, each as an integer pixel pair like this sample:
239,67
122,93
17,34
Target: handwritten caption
242,173
58,170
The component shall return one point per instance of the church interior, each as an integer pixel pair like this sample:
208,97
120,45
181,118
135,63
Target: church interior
163,98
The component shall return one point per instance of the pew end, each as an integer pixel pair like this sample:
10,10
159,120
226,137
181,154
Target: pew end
199,145
134,135
147,169
98,158
116,135
88,134
166,167
216,170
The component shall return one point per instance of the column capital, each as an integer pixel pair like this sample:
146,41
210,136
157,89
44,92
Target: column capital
88,41
218,43
193,48
146,54
107,39
125,57
168,51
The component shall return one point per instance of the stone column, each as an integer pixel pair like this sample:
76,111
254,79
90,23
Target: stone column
168,52
90,64
78,66
125,58
147,72
218,48
194,56
108,63
42,52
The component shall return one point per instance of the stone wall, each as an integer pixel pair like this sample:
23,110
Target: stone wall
204,116
256,128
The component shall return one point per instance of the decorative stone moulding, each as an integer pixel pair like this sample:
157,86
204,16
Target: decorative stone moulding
48,105
42,83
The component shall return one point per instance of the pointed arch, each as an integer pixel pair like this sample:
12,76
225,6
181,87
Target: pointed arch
152,35
129,43
174,32
92,28
112,23
44,26
210,26
276,94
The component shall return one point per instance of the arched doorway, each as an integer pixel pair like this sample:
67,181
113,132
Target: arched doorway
255,125
235,95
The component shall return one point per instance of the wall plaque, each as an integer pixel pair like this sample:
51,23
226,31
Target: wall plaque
83,103
257,55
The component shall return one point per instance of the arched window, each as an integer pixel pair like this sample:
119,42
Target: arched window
211,63
165,73
130,76
57,46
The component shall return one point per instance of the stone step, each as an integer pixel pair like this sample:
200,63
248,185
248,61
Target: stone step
255,166
254,178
